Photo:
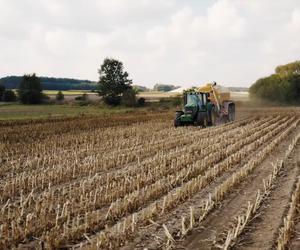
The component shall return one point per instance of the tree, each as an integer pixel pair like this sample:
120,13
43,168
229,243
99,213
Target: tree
113,81
51,83
30,90
83,97
59,96
293,92
287,69
129,98
139,88
2,89
283,87
9,96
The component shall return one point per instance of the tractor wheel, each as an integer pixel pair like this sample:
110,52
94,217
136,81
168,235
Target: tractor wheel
201,119
177,122
231,113
213,118
209,119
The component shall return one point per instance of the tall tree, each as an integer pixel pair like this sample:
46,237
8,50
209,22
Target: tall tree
287,69
30,90
282,87
113,81
2,90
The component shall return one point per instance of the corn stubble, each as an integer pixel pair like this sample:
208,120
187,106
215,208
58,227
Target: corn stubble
95,186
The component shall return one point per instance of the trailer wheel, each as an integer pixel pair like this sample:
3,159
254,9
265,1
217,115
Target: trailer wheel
213,118
231,112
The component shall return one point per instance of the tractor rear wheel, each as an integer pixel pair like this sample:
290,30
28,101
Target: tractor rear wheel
201,119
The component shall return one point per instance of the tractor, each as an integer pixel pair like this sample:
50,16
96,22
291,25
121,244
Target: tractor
205,106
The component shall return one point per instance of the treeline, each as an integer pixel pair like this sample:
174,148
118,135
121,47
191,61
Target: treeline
114,87
283,86
7,95
50,83
238,89
164,87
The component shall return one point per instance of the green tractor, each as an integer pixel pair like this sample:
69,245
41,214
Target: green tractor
197,110
206,106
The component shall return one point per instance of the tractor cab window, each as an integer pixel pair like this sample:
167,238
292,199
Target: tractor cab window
204,99
200,99
192,100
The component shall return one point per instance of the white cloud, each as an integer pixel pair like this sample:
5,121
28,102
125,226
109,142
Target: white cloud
172,41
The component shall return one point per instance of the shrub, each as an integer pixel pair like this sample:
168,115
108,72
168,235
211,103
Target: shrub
112,100
9,96
141,101
59,96
83,97
128,98
45,98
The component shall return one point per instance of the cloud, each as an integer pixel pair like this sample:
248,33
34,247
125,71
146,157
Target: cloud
233,42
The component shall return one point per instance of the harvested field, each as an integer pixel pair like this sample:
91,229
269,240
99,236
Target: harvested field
135,182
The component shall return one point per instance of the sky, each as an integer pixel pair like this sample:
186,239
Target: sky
180,42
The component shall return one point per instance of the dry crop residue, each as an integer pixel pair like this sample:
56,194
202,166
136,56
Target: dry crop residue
135,181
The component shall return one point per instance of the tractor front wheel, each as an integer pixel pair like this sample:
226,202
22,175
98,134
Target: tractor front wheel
177,122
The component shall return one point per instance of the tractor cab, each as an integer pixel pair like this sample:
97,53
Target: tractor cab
194,102
194,110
